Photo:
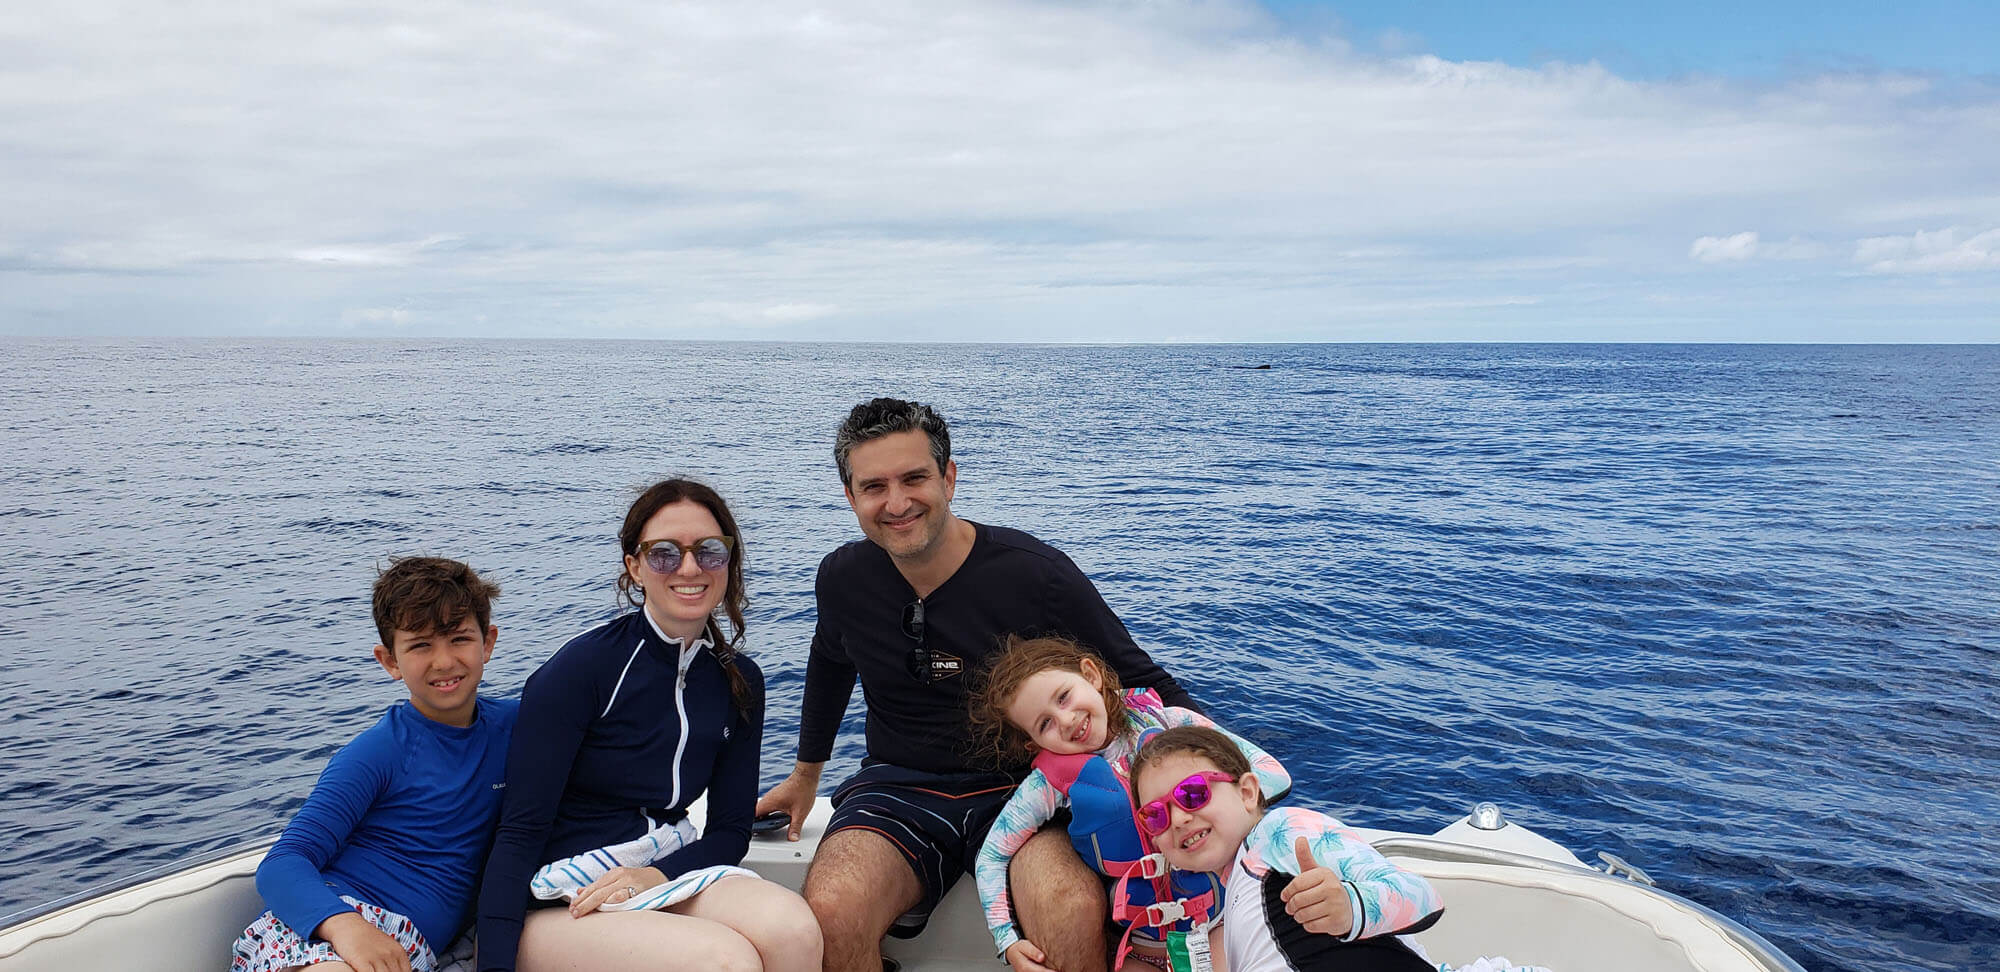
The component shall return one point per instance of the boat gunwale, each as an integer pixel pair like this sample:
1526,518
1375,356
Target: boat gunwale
1397,844
95,894
1447,851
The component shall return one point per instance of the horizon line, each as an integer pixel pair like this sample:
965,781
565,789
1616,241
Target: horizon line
444,339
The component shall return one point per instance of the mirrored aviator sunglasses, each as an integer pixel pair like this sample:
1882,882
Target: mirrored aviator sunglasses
709,553
1191,794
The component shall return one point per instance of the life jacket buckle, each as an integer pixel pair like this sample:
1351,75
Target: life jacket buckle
1166,913
1153,866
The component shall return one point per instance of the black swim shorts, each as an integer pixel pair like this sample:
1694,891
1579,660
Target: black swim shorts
936,821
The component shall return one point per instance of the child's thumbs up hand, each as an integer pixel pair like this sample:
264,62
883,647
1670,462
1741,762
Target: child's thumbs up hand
1316,898
1303,848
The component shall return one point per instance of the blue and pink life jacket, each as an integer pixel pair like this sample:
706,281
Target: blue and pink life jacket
1104,828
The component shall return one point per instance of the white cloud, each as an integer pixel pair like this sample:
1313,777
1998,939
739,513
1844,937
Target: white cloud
1722,249
764,314
1749,245
1933,251
379,255
397,316
818,169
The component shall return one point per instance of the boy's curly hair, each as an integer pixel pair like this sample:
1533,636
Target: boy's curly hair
429,594
1001,742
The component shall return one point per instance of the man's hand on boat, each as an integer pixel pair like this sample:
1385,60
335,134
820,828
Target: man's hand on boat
794,795
1025,957
617,884
364,947
1317,898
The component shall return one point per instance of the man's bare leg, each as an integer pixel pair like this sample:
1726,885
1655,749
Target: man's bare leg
858,885
1060,901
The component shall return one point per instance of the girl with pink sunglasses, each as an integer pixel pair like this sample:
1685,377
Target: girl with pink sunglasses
1302,891
1054,702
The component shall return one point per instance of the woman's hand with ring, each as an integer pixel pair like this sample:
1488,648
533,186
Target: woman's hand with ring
616,886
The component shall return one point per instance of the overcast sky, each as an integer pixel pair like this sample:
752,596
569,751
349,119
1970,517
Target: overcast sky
1042,171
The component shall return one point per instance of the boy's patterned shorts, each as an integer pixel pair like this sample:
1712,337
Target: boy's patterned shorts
269,945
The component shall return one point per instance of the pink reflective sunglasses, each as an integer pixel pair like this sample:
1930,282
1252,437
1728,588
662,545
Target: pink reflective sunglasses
1190,794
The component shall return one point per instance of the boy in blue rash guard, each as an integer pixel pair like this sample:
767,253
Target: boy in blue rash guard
378,869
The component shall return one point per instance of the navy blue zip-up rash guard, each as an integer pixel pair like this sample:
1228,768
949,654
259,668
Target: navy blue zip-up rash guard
608,740
1010,583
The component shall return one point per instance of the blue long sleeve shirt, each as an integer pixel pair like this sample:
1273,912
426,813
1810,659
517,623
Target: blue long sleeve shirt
621,728
401,818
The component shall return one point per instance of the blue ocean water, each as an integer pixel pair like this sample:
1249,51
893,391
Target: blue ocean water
1725,611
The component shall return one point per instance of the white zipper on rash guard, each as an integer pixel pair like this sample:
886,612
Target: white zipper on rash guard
687,653
680,707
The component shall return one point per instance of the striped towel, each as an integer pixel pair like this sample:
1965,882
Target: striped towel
568,877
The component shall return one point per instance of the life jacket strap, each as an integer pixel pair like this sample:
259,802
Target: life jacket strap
1166,912
1150,868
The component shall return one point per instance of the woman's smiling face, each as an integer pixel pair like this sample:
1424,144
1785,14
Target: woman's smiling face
681,601
1205,838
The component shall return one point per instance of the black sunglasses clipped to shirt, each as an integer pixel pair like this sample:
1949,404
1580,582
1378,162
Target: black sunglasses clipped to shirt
919,660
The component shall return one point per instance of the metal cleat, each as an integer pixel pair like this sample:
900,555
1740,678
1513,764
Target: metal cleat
1618,867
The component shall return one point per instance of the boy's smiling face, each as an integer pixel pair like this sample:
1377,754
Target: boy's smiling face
441,669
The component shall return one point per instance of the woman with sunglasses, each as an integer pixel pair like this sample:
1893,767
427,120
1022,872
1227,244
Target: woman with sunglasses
619,731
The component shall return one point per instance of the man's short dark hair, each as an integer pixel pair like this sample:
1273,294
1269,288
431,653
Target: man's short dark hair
878,417
429,594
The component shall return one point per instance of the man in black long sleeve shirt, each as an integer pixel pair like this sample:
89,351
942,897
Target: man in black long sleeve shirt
912,611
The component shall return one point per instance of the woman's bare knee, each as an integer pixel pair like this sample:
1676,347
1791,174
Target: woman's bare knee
778,923
790,945
722,950
632,941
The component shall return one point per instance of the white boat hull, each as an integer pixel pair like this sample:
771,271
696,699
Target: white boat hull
1507,892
